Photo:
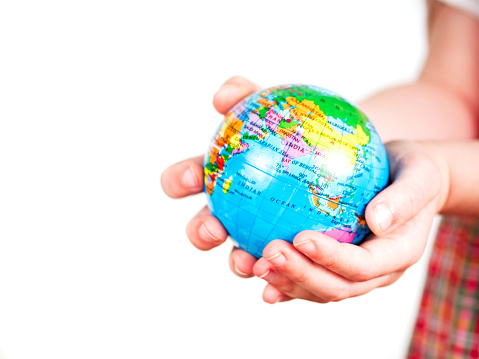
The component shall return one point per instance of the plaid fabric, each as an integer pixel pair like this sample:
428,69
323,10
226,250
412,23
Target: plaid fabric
447,326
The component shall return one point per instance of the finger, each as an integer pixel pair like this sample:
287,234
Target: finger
205,231
315,279
349,261
282,284
374,258
231,92
242,263
272,295
183,178
416,181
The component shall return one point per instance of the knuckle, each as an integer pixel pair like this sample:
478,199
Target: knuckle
338,295
363,275
170,188
413,155
337,298
414,194
392,278
408,199
272,248
235,80
288,288
299,276
341,294
195,239
413,258
327,261
189,231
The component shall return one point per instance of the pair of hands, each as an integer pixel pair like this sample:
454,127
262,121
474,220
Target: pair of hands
316,267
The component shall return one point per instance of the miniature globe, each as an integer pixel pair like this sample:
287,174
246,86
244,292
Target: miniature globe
291,158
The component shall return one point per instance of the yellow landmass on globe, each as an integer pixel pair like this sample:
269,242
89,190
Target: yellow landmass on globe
318,132
227,134
231,126
209,181
227,184
235,141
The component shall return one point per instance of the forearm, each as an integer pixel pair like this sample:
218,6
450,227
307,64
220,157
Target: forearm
444,102
421,110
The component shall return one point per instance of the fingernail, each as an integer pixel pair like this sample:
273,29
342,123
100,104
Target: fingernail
281,298
238,271
306,246
384,217
230,87
267,276
207,235
189,179
277,260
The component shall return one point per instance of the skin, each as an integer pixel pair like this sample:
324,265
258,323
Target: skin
429,177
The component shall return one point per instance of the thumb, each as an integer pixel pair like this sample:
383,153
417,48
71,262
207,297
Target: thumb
416,182
231,92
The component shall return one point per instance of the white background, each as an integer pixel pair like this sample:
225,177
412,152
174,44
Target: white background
97,99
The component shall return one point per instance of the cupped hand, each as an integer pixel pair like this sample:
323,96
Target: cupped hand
316,267
320,269
186,178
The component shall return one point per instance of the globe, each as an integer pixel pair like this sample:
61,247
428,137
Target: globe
291,158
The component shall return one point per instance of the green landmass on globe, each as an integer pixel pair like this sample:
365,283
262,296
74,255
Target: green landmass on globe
291,158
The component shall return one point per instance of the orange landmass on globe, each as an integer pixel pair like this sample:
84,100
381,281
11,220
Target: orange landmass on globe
315,199
318,205
229,135
361,220
264,102
311,187
305,109
285,132
333,202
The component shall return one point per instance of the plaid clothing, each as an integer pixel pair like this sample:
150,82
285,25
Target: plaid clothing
447,326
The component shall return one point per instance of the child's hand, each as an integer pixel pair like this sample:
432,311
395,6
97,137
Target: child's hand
186,178
318,268
332,271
